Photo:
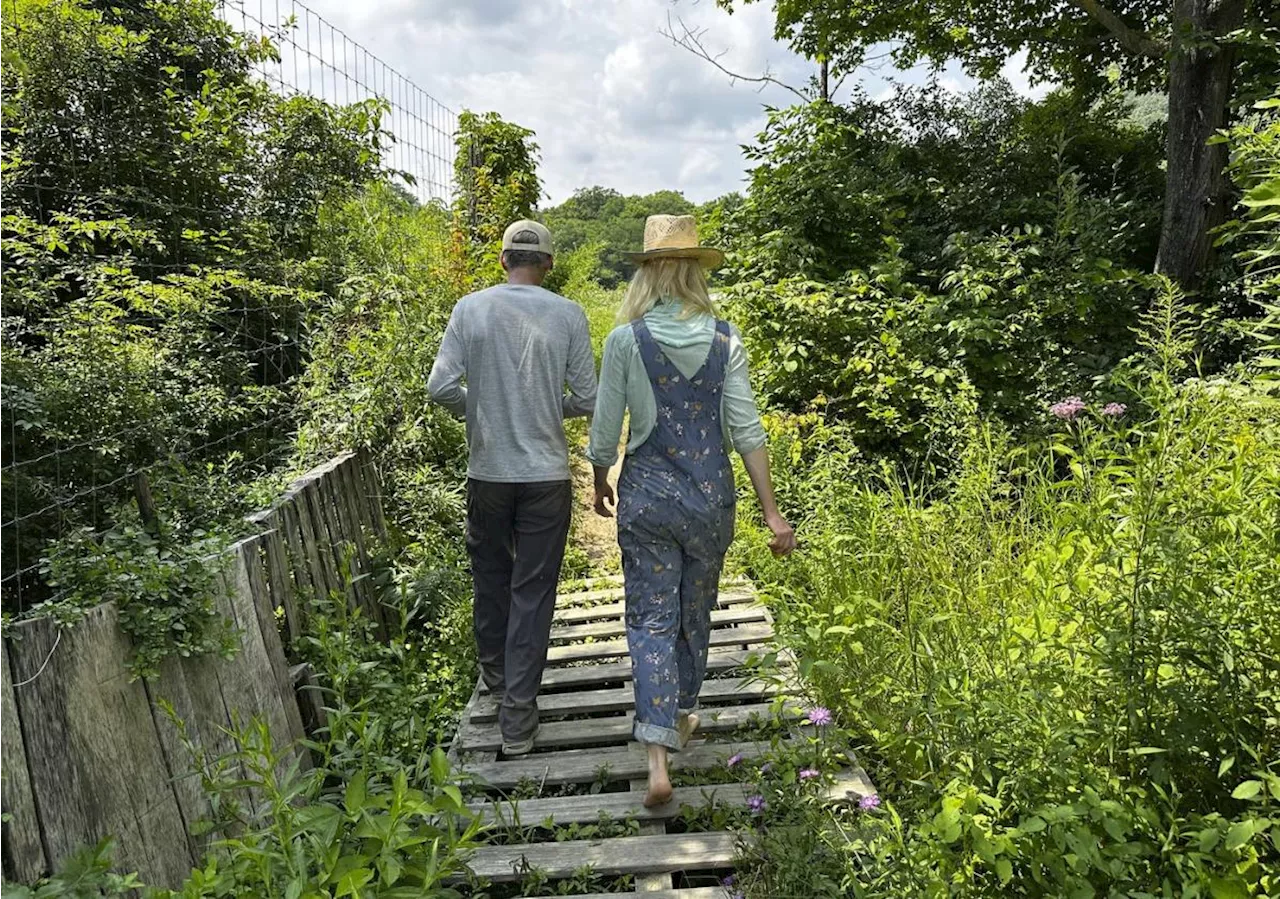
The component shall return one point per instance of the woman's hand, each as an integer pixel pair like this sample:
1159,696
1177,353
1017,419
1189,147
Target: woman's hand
784,535
606,502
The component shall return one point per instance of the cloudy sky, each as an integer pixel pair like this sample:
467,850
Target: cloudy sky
613,101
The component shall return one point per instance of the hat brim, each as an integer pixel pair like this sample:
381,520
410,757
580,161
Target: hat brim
708,256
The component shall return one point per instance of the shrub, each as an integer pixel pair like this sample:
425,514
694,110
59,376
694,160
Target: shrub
861,353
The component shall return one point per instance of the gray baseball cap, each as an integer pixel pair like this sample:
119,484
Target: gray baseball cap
517,237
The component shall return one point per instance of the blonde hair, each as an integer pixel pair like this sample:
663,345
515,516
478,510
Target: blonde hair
673,278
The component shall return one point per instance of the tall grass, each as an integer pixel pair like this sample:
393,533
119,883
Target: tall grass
1063,664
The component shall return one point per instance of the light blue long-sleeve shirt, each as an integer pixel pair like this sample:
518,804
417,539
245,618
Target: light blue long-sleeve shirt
624,384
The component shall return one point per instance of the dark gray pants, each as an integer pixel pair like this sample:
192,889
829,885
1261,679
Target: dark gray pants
516,535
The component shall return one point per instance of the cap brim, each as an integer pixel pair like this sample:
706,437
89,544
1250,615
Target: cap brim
708,256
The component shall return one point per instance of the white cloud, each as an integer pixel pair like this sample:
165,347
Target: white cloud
612,101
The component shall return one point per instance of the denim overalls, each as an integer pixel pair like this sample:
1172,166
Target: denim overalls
675,522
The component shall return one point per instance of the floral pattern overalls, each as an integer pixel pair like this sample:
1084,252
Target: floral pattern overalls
675,522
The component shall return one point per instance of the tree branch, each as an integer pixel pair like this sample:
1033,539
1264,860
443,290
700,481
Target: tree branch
692,41
1137,42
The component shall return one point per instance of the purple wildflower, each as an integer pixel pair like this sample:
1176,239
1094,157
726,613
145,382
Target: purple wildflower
807,773
868,802
739,895
756,804
820,716
1114,410
766,767
1068,408
727,881
733,759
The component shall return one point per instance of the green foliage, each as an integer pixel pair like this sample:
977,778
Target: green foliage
161,203
1077,44
86,875
396,279
496,178
165,587
859,352
1255,145
1060,660
380,813
602,216
831,181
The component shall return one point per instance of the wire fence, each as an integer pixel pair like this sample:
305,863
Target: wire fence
319,59
141,351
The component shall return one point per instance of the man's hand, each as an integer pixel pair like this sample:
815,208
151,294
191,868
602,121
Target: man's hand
606,502
784,536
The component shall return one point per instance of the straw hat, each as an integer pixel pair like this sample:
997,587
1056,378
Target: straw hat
674,237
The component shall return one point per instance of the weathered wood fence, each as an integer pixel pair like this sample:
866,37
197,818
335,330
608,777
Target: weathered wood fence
89,752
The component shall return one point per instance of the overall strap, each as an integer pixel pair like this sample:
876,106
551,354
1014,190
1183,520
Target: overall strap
718,356
656,364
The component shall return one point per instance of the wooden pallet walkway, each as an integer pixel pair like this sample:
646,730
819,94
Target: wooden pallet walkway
585,768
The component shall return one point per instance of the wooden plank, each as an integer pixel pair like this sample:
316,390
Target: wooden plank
346,494
192,687
850,785
310,698
595,731
315,537
718,660
333,552
744,635
611,857
578,614
620,699
617,627
373,492
660,881
622,763
280,581
251,561
595,595
249,685
310,542
299,563
687,893
95,759
22,851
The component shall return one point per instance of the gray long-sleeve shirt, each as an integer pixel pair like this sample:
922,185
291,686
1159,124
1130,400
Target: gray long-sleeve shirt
516,347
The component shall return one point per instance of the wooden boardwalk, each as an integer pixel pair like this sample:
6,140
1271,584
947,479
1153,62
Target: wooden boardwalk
585,770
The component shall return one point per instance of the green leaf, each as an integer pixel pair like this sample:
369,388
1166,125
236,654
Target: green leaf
1240,833
1227,764
1004,870
1247,790
352,881
354,797
1227,889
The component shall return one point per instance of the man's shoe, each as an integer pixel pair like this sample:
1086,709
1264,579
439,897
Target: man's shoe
520,747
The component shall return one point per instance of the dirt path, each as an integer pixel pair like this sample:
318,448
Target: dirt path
597,536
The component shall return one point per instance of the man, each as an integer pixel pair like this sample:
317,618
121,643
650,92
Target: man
516,346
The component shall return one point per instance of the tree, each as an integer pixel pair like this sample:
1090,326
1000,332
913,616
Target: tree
1207,54
496,174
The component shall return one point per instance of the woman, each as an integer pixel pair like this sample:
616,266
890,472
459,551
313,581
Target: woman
682,374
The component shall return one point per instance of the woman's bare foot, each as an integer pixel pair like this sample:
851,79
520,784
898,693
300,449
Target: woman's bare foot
686,727
659,792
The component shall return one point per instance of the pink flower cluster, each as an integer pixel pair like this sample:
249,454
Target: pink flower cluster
1067,409
1072,406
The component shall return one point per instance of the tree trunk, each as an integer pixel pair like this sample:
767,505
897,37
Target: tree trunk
1199,92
